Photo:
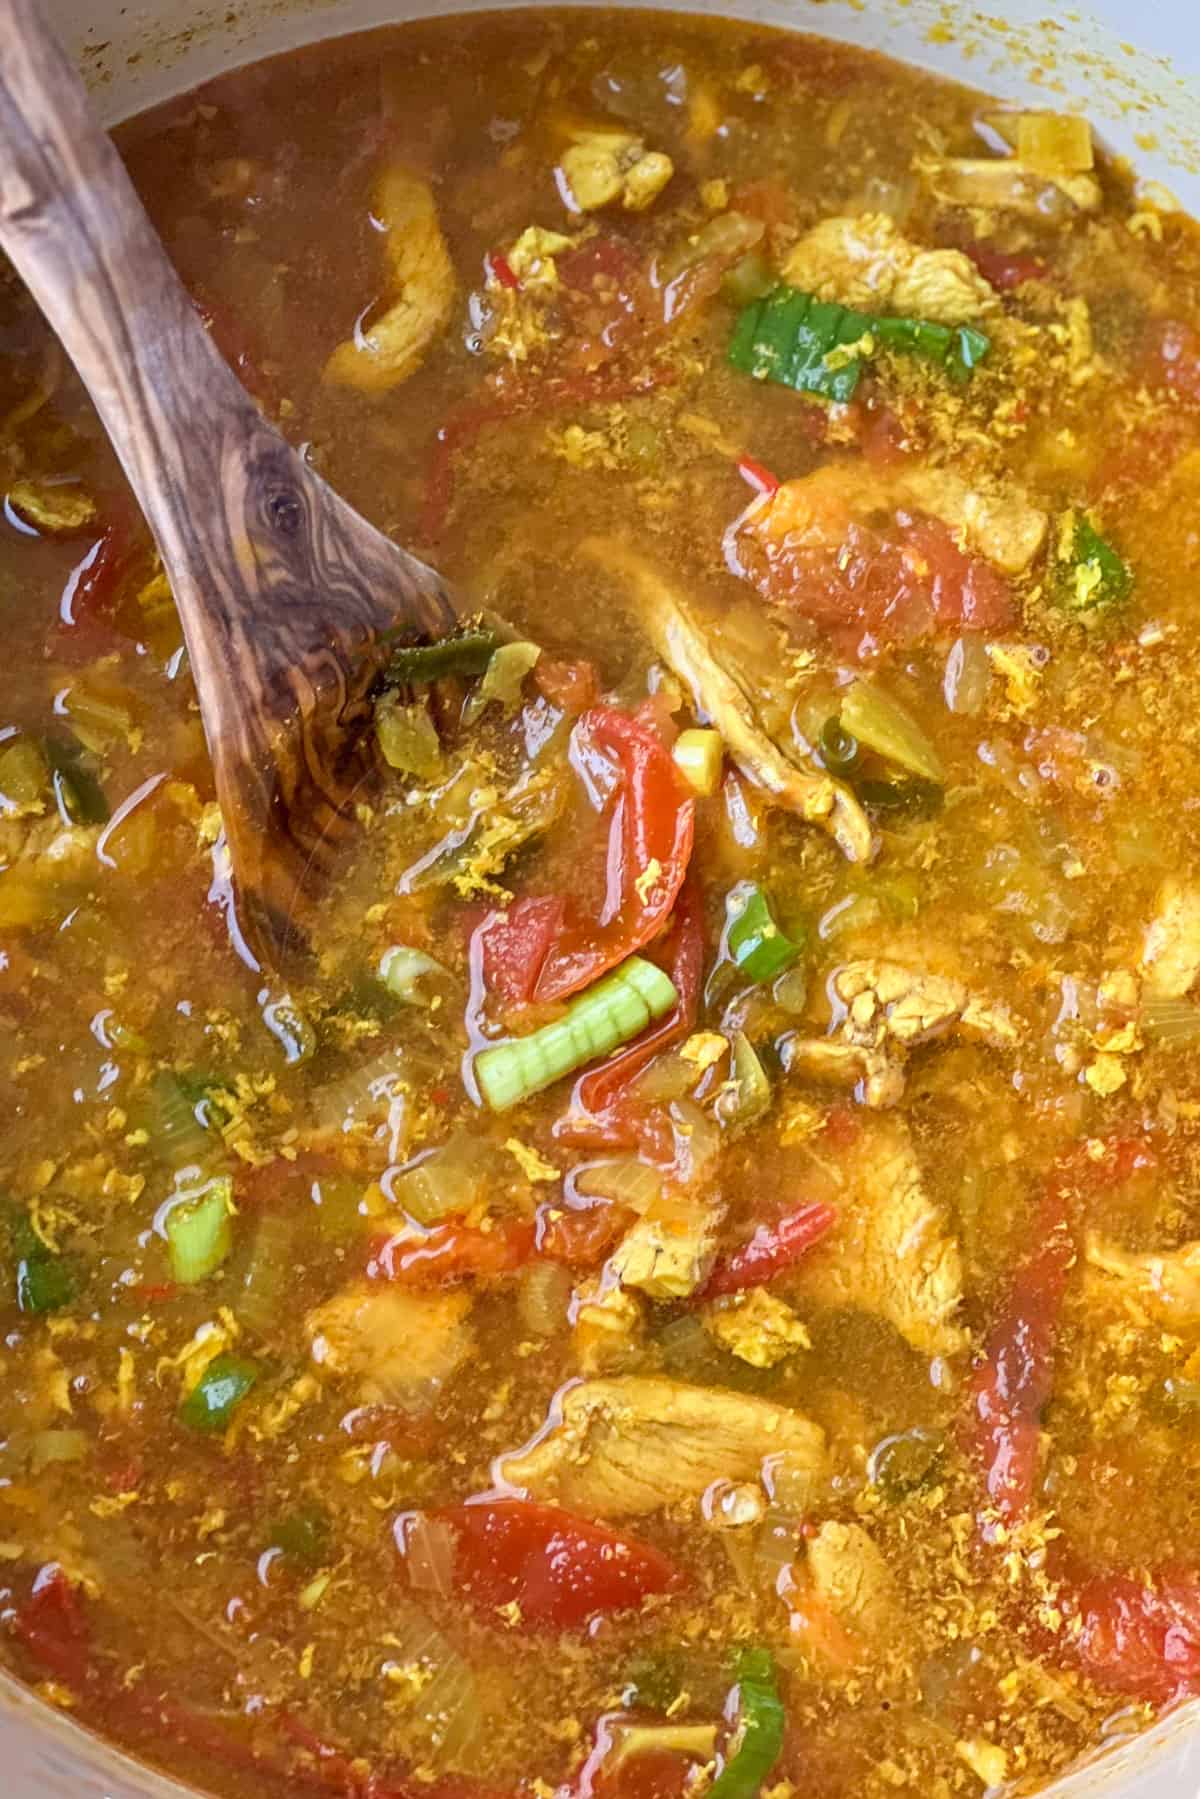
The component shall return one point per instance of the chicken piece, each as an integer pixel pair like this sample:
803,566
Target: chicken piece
618,1448
608,1326
1158,1287
669,1252
867,264
1006,184
886,1001
531,258
1171,950
755,1326
601,167
891,1252
882,1010
719,694
420,285
876,1080
816,511
851,1577
401,1348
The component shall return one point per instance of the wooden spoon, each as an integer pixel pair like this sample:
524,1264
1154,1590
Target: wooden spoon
282,589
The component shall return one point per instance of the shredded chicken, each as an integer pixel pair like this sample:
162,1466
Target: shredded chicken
670,1250
1159,1287
1171,950
816,510
891,1252
606,167
1006,184
881,1011
400,1347
632,1445
850,1575
867,264
756,1326
420,290
719,694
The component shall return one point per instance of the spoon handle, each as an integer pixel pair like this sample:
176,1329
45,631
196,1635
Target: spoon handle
281,587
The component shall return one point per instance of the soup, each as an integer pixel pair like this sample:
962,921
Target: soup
692,1283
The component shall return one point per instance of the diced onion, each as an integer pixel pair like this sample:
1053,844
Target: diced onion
199,1230
543,1297
885,726
400,968
429,1552
451,1178
626,1180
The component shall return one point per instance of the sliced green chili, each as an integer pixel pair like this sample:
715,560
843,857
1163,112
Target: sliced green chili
418,664
754,942
607,1015
218,1393
761,1720
77,793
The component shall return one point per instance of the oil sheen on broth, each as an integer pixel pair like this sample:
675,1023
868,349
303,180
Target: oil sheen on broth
695,1287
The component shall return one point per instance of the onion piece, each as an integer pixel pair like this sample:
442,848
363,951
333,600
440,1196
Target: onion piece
430,1548
626,1180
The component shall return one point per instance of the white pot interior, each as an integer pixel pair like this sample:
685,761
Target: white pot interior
1133,69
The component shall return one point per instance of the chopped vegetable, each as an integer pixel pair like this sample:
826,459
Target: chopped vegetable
748,1093
750,279
303,1535
840,752
698,755
77,792
199,1231
560,1570
1095,578
218,1393
24,777
418,665
451,1178
1054,143
179,1116
874,718
407,736
904,1463
754,942
892,802
502,680
612,1012
819,347
761,1723
400,968
45,1281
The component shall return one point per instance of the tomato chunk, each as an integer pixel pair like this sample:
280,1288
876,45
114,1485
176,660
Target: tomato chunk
52,1626
1142,1639
454,1251
510,948
559,1569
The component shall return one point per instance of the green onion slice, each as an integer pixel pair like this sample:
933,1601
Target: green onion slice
218,1393
761,1720
200,1231
754,942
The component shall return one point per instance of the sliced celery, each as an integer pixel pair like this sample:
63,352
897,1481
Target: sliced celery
200,1231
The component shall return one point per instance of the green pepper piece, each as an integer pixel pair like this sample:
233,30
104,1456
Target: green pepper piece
218,1393
1097,577
761,1720
754,942
45,1282
419,664
839,748
77,793
892,802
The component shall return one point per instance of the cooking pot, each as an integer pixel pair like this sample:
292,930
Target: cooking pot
1133,68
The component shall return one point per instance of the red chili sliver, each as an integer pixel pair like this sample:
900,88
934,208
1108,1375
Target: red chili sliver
771,1250
559,1569
53,1629
757,475
512,946
502,269
453,1252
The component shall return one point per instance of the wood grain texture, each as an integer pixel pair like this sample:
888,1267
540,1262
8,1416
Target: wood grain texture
283,590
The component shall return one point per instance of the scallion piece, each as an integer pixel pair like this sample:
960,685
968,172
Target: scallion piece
754,942
45,1282
607,1015
761,1723
200,1231
1095,578
419,664
400,968
218,1393
303,1536
77,793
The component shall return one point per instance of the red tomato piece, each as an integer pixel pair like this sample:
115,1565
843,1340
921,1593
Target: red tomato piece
580,1236
1141,1639
963,590
571,686
453,1252
52,1626
651,821
510,948
1006,269
771,1250
561,1570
